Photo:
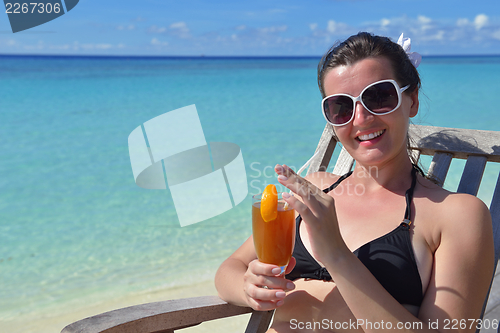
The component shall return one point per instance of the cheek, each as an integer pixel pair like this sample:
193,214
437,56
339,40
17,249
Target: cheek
340,132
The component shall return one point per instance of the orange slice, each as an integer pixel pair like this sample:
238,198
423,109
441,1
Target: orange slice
269,203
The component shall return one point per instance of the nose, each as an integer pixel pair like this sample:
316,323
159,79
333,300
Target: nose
362,116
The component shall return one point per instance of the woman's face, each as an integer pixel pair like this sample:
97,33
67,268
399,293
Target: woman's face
390,130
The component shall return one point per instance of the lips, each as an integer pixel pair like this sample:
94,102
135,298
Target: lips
370,136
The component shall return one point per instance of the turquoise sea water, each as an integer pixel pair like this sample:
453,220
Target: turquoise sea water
74,227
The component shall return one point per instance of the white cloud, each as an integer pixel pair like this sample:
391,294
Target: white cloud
180,29
496,35
156,42
480,21
157,30
425,23
423,19
333,27
273,29
432,35
276,11
179,26
74,47
463,22
430,32
436,36
128,27
98,46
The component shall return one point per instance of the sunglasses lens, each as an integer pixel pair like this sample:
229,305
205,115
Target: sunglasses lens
381,97
338,109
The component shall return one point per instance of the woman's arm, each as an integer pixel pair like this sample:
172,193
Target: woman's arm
463,264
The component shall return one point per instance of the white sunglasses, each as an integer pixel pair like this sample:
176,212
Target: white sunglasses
379,98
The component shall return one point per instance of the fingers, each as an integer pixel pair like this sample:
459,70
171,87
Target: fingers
264,288
312,197
261,274
294,182
264,299
301,186
296,204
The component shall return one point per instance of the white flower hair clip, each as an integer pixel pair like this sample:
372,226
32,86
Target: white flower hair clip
415,57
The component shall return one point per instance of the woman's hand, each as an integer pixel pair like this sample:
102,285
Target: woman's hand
317,210
264,287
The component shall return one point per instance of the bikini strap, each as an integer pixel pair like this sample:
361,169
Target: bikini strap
409,195
334,185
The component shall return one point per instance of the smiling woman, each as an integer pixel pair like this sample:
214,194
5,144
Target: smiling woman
354,261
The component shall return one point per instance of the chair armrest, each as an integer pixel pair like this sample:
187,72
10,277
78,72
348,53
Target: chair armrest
165,316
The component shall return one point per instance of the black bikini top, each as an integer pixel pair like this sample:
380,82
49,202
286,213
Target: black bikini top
390,258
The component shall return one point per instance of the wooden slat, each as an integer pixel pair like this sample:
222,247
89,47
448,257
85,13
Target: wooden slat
439,167
326,146
472,175
495,215
158,316
344,163
462,142
259,321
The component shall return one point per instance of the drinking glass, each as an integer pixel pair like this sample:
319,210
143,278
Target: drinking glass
274,240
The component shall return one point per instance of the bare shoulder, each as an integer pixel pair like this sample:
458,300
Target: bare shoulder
468,217
455,215
322,179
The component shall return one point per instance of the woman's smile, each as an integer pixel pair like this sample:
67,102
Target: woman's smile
370,137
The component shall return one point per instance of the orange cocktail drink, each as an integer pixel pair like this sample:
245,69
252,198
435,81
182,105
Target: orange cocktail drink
273,239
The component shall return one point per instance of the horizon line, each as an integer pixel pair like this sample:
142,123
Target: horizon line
201,56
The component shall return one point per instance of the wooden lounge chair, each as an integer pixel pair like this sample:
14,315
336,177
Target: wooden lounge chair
444,144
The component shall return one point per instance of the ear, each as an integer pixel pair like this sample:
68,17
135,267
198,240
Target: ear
414,103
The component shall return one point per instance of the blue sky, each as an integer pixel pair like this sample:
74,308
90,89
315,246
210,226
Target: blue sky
257,27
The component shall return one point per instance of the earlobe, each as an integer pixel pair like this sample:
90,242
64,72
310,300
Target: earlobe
414,103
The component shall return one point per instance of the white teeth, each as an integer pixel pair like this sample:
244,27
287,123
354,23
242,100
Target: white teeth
370,136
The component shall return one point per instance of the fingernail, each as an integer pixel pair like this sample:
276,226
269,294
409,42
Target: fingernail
290,286
279,168
285,195
276,270
280,294
280,303
283,178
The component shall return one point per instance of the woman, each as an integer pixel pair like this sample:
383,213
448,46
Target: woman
356,266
